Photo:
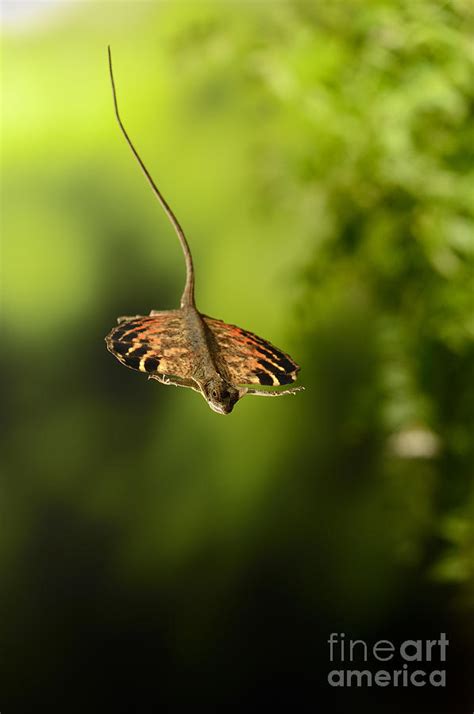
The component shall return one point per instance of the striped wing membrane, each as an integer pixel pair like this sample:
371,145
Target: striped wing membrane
250,359
152,344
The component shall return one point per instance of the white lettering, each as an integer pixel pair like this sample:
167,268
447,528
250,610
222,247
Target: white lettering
351,649
383,645
443,643
438,678
358,674
416,682
336,678
382,678
417,656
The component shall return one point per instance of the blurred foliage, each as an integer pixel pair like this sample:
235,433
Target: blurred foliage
320,157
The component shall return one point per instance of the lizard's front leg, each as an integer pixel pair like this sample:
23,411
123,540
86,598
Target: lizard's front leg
174,381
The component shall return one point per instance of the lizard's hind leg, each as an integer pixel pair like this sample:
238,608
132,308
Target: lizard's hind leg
262,393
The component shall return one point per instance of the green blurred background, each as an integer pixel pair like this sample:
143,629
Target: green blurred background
320,158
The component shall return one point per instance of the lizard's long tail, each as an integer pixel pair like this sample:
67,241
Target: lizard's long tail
188,292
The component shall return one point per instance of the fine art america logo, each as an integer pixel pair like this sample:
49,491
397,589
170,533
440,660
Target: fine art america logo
411,663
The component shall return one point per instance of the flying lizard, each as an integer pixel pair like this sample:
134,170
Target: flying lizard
185,348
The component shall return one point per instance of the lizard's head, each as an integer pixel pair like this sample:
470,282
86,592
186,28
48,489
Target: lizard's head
220,395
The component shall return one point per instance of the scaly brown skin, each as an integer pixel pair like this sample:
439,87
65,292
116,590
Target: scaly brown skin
208,374
187,349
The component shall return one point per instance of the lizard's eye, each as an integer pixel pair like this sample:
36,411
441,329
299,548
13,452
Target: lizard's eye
214,394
